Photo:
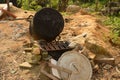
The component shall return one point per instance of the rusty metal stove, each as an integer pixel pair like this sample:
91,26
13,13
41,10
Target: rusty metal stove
56,48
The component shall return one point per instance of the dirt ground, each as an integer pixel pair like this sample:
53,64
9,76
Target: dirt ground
13,34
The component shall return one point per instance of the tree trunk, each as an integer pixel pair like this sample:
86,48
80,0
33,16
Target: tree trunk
96,2
62,5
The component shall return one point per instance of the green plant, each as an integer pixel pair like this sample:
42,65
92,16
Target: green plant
54,3
114,22
33,6
29,4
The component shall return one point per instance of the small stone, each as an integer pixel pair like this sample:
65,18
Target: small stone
11,25
20,25
84,24
25,65
29,57
35,59
44,54
36,44
13,71
72,8
72,44
107,67
96,67
23,52
19,35
91,55
36,50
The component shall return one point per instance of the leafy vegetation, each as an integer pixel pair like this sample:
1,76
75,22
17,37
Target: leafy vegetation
37,4
29,5
114,22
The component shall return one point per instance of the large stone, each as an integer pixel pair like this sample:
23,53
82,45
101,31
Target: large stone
72,8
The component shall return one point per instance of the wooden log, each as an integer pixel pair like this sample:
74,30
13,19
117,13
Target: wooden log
110,61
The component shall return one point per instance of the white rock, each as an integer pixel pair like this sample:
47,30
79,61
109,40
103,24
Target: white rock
26,65
72,44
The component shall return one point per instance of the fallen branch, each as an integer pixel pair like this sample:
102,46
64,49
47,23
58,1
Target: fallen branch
8,13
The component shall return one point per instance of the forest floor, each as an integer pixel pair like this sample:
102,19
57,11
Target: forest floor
14,34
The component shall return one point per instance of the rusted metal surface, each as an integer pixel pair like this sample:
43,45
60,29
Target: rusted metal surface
54,46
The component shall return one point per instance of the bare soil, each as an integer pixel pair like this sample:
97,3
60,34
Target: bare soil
13,34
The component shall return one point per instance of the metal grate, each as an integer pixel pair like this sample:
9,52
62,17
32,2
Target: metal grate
55,46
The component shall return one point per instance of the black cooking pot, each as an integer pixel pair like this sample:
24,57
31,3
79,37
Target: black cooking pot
47,24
